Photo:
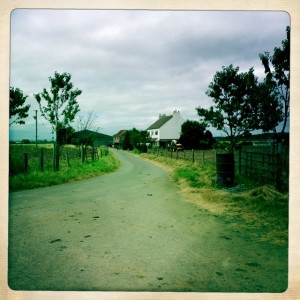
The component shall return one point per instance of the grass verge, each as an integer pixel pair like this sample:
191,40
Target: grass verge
76,171
258,208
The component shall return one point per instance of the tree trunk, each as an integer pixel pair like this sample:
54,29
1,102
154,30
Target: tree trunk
56,157
56,152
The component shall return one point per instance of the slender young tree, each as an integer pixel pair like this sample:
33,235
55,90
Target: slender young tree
277,70
18,111
59,106
87,121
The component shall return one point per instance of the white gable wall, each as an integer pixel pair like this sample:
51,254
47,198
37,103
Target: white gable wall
172,129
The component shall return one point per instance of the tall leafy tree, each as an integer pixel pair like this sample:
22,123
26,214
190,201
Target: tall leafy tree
59,106
277,70
235,106
18,111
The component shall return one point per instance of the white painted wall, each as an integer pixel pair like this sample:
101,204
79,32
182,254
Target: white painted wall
172,129
154,133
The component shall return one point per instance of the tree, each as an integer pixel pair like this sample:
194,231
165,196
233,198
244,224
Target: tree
277,70
268,111
127,144
208,140
143,140
86,124
65,135
61,106
136,139
87,121
17,110
192,133
236,105
25,141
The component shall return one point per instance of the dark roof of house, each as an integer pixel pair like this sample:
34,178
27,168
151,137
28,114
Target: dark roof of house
160,122
90,133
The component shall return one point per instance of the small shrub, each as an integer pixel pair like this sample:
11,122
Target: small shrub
143,148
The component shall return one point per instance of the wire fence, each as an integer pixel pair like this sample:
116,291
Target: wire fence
205,156
265,166
255,163
27,158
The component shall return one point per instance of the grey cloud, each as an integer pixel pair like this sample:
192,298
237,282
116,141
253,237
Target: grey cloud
133,65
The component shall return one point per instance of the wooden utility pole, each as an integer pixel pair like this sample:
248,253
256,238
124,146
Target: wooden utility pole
35,117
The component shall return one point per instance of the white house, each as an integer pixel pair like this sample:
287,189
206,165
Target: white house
166,129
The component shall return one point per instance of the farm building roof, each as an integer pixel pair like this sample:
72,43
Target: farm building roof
160,122
89,133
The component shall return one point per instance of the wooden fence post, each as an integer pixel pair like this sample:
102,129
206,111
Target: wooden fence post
82,153
67,158
54,156
26,162
193,155
240,161
57,146
42,160
278,170
251,160
93,153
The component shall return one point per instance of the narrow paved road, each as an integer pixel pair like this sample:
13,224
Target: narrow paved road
131,231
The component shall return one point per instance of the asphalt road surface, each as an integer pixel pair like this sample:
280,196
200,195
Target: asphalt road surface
131,231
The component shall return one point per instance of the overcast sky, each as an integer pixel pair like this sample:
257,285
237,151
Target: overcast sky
134,65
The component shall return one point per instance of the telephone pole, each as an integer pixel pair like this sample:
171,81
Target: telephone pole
35,128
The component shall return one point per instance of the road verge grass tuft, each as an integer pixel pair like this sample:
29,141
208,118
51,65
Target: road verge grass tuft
259,208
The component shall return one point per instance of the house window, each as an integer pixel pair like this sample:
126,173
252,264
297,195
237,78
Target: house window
156,132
